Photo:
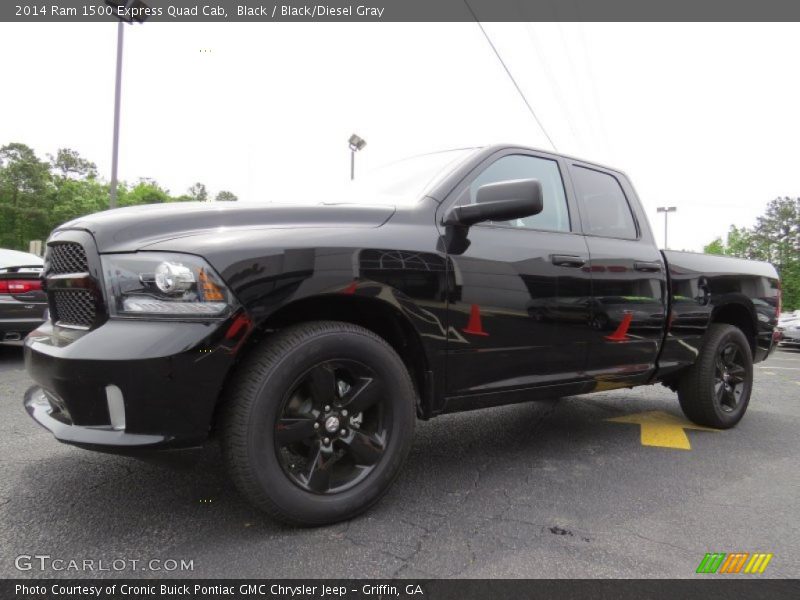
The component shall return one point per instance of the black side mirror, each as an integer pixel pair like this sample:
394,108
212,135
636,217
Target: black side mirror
501,201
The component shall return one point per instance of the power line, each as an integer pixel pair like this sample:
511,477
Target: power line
593,86
508,72
554,85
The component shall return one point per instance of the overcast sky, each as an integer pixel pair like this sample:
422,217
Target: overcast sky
701,116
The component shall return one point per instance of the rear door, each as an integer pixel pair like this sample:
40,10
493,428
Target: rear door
629,282
520,312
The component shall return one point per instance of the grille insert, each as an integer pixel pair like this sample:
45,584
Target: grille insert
73,307
67,258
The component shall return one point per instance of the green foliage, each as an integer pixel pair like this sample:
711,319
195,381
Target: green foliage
73,198
26,188
775,238
715,247
790,285
36,196
70,164
198,192
144,192
226,196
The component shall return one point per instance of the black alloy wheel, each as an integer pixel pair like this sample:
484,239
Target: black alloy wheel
715,390
317,422
730,377
332,429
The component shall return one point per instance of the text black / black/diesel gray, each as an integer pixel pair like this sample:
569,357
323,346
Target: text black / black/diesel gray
311,337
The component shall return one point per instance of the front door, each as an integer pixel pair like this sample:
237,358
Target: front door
521,309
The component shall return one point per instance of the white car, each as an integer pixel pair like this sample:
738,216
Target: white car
790,333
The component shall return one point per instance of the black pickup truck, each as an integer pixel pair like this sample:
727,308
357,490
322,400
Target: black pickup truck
309,338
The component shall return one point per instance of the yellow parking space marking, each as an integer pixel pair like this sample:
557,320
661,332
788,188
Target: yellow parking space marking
662,429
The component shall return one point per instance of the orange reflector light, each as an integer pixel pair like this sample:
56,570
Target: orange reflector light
210,290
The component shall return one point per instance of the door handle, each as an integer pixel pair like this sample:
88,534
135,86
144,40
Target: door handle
567,260
647,267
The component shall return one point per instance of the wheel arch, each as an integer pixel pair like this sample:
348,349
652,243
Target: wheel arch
384,318
740,314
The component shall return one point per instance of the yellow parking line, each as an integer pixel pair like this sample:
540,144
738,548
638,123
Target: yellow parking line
661,429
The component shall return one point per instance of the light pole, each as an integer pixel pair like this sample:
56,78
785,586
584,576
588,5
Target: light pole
666,210
356,144
124,5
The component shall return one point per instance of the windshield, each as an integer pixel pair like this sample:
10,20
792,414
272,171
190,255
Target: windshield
399,183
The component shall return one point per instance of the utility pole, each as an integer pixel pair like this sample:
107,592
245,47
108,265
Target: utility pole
120,6
117,93
666,210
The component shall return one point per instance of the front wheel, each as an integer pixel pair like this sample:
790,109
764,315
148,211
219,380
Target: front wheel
318,422
716,390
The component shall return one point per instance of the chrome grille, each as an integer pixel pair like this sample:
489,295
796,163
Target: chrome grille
73,307
67,257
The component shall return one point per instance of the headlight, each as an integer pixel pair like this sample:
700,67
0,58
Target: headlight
164,285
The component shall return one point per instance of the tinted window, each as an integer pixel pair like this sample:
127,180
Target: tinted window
555,215
603,205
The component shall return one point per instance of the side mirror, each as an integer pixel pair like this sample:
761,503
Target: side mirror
501,201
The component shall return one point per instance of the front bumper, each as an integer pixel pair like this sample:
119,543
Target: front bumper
39,406
129,386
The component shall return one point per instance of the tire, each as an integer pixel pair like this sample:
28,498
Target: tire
277,440
715,391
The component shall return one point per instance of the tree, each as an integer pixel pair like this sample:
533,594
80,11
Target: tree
75,198
715,247
778,230
198,192
774,238
25,195
226,196
68,163
146,191
36,196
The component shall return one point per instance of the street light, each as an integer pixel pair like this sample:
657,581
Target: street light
666,210
356,144
124,11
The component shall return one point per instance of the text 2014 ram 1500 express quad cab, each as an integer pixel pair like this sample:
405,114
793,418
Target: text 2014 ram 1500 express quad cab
309,338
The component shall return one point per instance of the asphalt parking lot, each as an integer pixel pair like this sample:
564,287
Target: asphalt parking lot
542,490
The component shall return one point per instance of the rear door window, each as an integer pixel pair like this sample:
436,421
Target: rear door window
604,207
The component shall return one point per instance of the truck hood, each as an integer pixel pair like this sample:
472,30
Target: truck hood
130,229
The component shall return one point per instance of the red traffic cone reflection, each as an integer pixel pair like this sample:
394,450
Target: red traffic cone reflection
621,334
474,326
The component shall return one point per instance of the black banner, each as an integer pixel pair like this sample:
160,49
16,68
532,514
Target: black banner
231,589
174,11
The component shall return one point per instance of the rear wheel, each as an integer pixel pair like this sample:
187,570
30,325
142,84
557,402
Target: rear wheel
318,422
716,390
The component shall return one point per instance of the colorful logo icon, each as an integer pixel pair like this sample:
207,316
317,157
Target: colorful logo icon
735,562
